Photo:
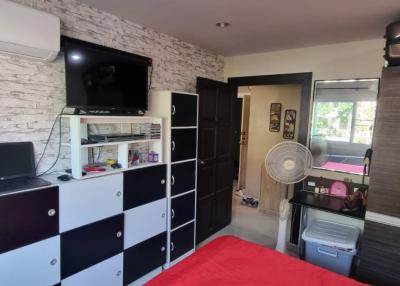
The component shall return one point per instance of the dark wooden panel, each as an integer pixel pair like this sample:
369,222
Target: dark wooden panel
144,257
184,111
384,194
182,209
205,225
144,185
224,147
183,177
25,217
379,255
184,142
182,240
90,244
206,181
207,143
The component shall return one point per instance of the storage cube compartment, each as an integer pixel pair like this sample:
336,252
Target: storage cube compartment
331,245
127,142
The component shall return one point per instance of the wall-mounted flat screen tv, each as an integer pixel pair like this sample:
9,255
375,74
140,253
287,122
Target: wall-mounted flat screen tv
102,78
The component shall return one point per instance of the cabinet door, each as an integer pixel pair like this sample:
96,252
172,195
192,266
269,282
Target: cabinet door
28,217
183,177
184,110
105,273
143,186
86,201
144,257
90,244
182,209
183,144
182,241
35,264
150,219
379,255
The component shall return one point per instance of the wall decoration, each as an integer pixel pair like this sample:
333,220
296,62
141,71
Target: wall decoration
275,117
289,124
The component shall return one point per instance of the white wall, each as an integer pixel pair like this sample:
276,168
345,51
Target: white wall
362,59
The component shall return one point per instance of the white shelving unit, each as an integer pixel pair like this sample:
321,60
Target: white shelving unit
78,127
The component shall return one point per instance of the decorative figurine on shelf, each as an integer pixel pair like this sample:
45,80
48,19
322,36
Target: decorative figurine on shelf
355,202
135,159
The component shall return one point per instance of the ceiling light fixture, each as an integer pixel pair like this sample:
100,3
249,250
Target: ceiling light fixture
222,24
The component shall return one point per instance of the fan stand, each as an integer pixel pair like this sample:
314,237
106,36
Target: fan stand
284,209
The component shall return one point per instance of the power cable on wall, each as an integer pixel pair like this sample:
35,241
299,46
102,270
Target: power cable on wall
58,117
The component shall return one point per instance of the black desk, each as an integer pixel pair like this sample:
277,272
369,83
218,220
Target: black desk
324,203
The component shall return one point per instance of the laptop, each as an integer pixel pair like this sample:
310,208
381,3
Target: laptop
17,167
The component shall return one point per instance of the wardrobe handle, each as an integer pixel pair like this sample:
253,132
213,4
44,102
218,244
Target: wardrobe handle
162,181
173,110
173,145
172,180
119,194
53,262
119,272
162,248
119,234
172,213
51,212
172,246
202,162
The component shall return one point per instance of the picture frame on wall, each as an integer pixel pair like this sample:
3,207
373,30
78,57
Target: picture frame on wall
275,117
289,124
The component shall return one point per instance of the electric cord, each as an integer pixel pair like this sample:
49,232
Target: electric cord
47,143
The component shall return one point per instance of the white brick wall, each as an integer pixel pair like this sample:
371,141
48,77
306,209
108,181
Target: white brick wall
33,93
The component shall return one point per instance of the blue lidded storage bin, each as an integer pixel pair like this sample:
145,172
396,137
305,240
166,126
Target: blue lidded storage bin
331,245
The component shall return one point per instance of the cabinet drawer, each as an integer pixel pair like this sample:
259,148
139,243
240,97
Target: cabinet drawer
183,144
144,257
28,217
184,110
90,244
143,186
35,264
150,219
86,201
105,273
183,177
182,241
182,209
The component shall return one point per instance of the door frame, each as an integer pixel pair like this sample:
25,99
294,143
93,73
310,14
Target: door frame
305,81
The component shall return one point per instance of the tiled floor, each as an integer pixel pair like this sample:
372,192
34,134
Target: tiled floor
250,224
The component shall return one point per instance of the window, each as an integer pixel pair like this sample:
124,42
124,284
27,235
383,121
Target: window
343,123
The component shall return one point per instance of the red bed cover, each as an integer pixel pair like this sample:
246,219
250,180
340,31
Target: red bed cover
229,260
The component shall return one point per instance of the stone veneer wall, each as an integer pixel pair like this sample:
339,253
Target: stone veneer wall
33,93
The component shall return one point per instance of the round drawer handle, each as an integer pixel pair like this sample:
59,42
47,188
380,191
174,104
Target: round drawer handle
119,194
162,248
53,262
51,212
162,182
172,180
172,213
119,273
163,215
172,246
119,233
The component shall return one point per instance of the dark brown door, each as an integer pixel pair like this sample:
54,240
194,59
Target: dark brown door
215,157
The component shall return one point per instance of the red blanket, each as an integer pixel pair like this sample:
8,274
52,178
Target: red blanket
231,261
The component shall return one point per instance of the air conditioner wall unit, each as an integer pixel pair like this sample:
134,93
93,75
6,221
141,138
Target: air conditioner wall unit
28,32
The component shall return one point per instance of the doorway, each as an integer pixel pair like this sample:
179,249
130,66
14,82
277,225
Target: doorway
216,145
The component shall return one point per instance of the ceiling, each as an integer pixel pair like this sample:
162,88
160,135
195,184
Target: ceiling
259,25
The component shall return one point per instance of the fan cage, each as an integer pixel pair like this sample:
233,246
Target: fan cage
287,162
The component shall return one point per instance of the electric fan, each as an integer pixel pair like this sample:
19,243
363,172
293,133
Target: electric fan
286,163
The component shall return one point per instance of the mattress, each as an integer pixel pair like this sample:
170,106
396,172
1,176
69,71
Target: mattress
229,260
